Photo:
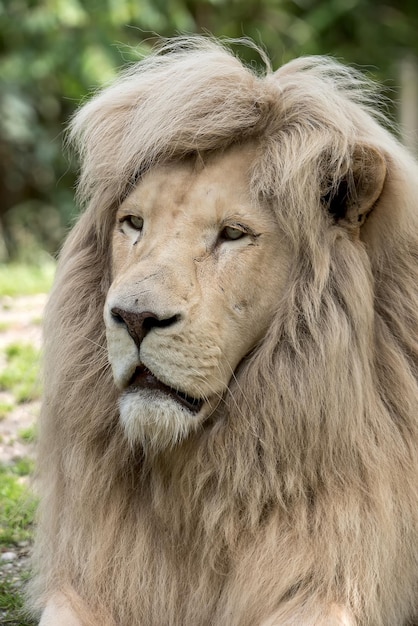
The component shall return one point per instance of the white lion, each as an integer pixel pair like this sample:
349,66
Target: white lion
229,434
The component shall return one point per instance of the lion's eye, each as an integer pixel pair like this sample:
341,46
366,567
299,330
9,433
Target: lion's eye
230,233
134,221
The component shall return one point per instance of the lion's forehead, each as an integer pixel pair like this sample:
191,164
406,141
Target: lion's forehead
199,193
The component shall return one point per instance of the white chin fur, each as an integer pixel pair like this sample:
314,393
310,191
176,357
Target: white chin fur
154,420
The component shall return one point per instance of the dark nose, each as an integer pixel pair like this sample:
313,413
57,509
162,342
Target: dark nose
138,324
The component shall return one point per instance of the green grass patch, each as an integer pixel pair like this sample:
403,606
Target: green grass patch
23,467
28,435
5,409
20,376
17,510
17,279
11,600
17,504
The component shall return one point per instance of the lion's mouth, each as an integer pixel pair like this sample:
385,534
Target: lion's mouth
142,378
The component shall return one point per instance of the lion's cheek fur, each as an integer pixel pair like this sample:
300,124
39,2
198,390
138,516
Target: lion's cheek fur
202,367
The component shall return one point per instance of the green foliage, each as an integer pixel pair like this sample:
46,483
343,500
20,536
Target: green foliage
23,279
20,376
55,52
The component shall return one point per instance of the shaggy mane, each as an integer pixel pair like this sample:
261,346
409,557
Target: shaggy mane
308,470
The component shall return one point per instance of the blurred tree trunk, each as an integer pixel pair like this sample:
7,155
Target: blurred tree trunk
7,200
409,102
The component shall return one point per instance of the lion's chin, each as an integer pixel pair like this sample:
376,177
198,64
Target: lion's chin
155,419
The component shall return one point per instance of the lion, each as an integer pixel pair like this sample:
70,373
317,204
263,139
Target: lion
229,431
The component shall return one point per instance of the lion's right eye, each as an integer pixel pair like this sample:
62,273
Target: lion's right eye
134,221
229,233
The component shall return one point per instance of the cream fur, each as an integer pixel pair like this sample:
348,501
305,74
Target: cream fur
59,613
295,501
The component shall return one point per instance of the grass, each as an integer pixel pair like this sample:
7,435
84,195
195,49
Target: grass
18,279
28,435
17,504
13,604
17,510
20,376
5,409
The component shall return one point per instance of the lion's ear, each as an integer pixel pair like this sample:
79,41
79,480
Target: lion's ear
356,191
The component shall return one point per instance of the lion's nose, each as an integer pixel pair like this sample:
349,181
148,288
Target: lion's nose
138,324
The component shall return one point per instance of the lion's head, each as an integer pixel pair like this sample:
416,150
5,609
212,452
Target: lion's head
199,267
229,432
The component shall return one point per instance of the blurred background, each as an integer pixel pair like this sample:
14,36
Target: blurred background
53,53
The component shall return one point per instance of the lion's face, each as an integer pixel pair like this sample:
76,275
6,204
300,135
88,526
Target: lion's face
197,270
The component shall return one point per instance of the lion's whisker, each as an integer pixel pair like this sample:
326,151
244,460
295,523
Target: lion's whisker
95,343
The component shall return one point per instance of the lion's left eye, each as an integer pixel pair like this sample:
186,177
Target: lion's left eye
134,221
230,233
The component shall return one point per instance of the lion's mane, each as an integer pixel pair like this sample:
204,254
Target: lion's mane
304,484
